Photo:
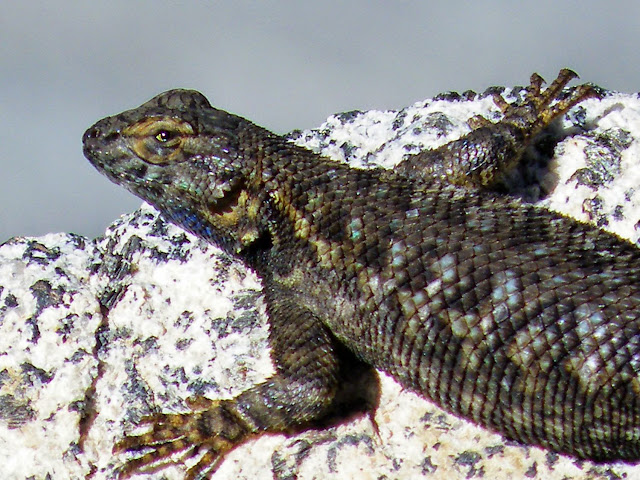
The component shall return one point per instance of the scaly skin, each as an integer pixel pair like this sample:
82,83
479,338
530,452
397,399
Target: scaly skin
520,319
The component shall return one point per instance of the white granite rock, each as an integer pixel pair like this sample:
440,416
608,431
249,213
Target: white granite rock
95,334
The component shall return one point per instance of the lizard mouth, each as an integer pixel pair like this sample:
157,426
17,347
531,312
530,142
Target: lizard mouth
94,141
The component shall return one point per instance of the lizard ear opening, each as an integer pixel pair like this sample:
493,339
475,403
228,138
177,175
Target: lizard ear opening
236,213
230,200
158,140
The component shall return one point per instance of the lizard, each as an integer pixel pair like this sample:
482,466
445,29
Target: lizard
516,317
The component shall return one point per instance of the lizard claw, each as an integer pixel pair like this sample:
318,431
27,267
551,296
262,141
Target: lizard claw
176,438
536,82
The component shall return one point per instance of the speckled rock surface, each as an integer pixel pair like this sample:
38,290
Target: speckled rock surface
95,334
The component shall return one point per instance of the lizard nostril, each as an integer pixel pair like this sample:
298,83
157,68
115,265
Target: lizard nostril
100,133
93,132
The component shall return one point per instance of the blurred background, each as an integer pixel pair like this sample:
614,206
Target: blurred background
282,64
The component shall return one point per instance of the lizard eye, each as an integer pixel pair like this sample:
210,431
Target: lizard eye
158,140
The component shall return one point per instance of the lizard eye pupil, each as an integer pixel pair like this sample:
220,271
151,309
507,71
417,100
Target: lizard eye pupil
164,136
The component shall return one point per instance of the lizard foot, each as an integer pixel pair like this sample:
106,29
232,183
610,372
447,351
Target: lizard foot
541,107
176,438
536,111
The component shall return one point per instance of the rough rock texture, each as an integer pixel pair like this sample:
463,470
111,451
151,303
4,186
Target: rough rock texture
181,318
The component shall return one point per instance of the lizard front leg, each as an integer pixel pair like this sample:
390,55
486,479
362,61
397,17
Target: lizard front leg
310,370
478,159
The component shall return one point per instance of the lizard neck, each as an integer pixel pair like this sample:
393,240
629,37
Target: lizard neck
290,193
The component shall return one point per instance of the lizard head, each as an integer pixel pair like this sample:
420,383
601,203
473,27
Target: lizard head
182,156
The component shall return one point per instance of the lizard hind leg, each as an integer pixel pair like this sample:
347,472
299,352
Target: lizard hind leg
481,158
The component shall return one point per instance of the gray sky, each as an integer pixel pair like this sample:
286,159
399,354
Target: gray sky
282,64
